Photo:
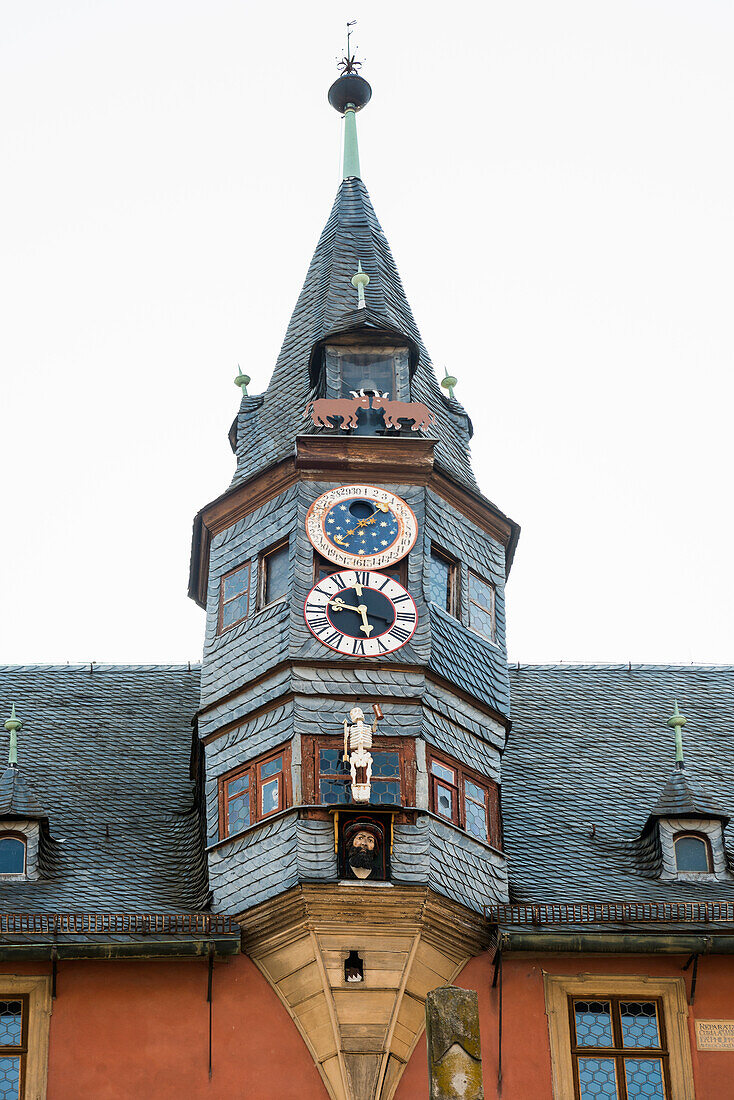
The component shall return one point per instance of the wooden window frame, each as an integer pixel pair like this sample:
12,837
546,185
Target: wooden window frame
670,992
454,597
462,772
491,610
252,768
698,836
404,746
618,1052
262,573
36,993
221,629
320,562
9,834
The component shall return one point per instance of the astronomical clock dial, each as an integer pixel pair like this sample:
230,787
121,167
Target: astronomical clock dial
360,614
361,527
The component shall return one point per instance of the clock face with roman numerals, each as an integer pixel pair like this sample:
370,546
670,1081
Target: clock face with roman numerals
361,526
360,614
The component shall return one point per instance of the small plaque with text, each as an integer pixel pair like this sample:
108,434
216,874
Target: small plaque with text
715,1034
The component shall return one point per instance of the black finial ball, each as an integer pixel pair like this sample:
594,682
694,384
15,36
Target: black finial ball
349,88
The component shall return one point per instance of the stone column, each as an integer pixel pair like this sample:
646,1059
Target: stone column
454,1049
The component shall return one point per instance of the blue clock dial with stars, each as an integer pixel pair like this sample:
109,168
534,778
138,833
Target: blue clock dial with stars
361,526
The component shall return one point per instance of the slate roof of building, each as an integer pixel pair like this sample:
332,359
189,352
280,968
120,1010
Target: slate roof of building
269,423
16,798
590,753
106,754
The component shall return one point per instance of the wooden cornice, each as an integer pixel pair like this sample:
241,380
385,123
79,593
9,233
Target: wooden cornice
357,458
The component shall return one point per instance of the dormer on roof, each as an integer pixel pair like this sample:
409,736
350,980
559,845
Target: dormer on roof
21,818
690,826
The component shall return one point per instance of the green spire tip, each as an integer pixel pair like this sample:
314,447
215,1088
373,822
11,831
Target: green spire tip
359,282
448,382
676,722
242,380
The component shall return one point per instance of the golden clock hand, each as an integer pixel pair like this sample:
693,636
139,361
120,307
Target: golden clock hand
365,625
339,605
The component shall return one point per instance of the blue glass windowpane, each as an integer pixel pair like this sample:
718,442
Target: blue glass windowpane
476,820
330,762
236,583
597,1079
439,582
639,1024
443,772
480,590
276,574
593,1024
238,785
270,796
385,794
272,767
239,813
9,1077
444,801
335,792
12,856
11,1023
386,765
644,1078
235,610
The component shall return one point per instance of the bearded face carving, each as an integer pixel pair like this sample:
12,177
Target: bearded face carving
364,854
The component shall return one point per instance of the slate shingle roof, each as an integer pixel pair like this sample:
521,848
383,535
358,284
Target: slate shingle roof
589,747
681,797
16,799
107,753
268,423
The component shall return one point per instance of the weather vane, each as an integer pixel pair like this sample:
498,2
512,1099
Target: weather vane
347,63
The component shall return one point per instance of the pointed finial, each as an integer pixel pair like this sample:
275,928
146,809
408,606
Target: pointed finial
12,725
359,282
448,382
676,722
242,380
347,95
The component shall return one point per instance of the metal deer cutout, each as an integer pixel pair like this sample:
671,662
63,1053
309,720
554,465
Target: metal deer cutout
325,409
395,411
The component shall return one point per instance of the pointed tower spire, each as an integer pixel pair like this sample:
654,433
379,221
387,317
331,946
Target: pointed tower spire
676,722
348,94
12,725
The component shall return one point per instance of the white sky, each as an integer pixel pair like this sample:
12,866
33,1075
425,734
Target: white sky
556,183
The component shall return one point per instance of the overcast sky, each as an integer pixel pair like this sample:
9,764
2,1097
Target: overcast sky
556,183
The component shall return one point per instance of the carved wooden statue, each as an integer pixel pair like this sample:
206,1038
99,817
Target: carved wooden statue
357,743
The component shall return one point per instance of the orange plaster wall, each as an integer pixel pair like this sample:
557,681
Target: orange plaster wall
525,1046
128,1030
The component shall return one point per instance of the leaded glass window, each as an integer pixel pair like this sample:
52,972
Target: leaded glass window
619,1049
253,792
443,582
13,1046
369,369
328,779
234,597
274,574
335,778
481,606
467,799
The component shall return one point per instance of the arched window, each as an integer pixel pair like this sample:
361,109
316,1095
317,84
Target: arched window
692,852
12,854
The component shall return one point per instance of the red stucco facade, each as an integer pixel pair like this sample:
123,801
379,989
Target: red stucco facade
126,1030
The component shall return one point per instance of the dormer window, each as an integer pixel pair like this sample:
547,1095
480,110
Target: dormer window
12,854
372,369
692,852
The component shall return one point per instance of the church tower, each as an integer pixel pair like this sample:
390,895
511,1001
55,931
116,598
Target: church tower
354,695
